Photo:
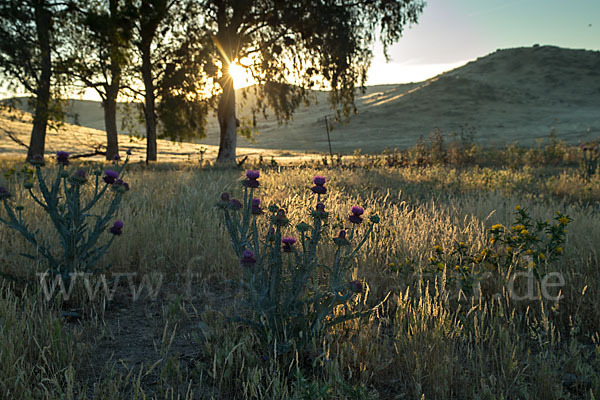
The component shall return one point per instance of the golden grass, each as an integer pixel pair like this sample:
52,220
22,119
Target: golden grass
421,344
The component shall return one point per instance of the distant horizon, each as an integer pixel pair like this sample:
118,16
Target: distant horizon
425,71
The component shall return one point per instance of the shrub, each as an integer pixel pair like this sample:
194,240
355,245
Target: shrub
525,246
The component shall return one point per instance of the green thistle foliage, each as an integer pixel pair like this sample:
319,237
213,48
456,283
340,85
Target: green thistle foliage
77,228
291,296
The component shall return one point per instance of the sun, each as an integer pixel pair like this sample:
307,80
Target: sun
240,75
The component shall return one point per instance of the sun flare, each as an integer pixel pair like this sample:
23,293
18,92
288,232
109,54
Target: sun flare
240,75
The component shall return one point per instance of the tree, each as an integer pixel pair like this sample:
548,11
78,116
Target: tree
101,37
28,45
292,46
169,64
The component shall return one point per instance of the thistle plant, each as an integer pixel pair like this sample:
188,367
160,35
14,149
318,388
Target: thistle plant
292,297
78,229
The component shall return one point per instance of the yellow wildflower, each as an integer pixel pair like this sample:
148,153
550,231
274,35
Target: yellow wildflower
391,265
559,250
493,240
563,220
509,249
457,267
524,232
542,256
531,264
438,248
497,227
518,208
431,259
529,251
462,244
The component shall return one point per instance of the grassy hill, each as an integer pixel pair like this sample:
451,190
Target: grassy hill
511,95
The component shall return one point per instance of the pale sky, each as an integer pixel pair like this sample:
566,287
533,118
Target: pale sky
453,32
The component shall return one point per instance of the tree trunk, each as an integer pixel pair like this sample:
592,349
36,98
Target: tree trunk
149,104
112,87
37,142
110,123
227,122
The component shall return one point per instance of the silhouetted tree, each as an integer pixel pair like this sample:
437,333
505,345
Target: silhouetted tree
101,34
169,64
29,44
293,46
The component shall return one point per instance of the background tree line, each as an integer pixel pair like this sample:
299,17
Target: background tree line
173,57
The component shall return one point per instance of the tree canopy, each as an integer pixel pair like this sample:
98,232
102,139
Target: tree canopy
295,46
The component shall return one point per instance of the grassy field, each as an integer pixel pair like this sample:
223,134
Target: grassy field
426,340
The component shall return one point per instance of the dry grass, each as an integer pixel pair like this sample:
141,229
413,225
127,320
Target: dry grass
421,344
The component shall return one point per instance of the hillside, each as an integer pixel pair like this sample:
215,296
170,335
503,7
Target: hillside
510,95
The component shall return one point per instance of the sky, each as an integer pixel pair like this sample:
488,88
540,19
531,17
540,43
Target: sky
451,33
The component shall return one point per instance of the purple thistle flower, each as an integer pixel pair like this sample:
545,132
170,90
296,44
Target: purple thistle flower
80,173
288,241
62,157
342,234
117,228
235,204
128,152
320,206
356,213
356,286
225,197
110,176
247,259
251,179
319,180
116,157
256,210
252,174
